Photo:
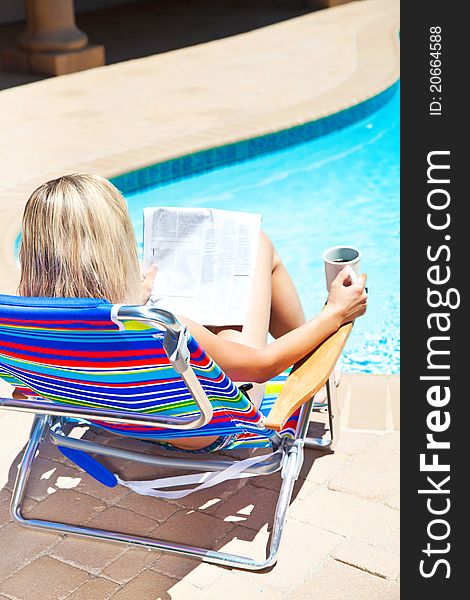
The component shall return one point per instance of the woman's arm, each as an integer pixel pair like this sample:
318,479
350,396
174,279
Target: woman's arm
244,363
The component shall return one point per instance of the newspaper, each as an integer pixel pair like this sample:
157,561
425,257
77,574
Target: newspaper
206,260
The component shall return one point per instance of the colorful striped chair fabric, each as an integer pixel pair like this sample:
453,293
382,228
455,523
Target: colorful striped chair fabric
75,352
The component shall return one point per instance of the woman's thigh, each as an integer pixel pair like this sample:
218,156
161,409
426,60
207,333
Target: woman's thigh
254,332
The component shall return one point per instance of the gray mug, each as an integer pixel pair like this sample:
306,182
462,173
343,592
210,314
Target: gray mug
337,258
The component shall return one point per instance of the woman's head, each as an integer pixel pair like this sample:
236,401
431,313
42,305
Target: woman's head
78,242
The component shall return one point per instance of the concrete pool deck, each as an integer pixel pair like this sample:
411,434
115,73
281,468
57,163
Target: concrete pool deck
121,117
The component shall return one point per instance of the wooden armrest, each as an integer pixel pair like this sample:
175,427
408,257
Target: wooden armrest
307,377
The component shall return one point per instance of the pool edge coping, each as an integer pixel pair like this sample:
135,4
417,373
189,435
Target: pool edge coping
204,161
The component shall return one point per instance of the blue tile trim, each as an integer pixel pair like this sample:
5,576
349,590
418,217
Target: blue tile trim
207,160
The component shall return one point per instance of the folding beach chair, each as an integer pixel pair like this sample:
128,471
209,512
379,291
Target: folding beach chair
136,371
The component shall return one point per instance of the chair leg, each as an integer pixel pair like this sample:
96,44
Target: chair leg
38,431
289,475
333,420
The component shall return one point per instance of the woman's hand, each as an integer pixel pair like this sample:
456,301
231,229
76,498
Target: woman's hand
147,283
244,363
348,301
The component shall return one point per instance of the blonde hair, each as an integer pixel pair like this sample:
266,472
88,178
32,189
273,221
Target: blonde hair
78,242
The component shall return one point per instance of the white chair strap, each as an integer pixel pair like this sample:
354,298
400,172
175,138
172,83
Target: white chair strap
206,479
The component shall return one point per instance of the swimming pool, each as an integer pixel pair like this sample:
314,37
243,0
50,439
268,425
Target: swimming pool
342,188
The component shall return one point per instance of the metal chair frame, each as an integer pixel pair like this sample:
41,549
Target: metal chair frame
48,420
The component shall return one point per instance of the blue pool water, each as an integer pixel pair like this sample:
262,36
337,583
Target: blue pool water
342,188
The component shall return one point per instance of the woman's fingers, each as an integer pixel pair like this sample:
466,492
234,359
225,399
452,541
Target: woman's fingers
147,281
342,277
348,299
345,274
360,283
150,275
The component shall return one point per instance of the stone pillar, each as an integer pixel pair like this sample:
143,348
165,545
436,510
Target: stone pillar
52,43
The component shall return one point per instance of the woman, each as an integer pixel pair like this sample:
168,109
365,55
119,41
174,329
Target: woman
78,241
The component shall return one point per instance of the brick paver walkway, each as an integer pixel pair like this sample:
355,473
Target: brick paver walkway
340,539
